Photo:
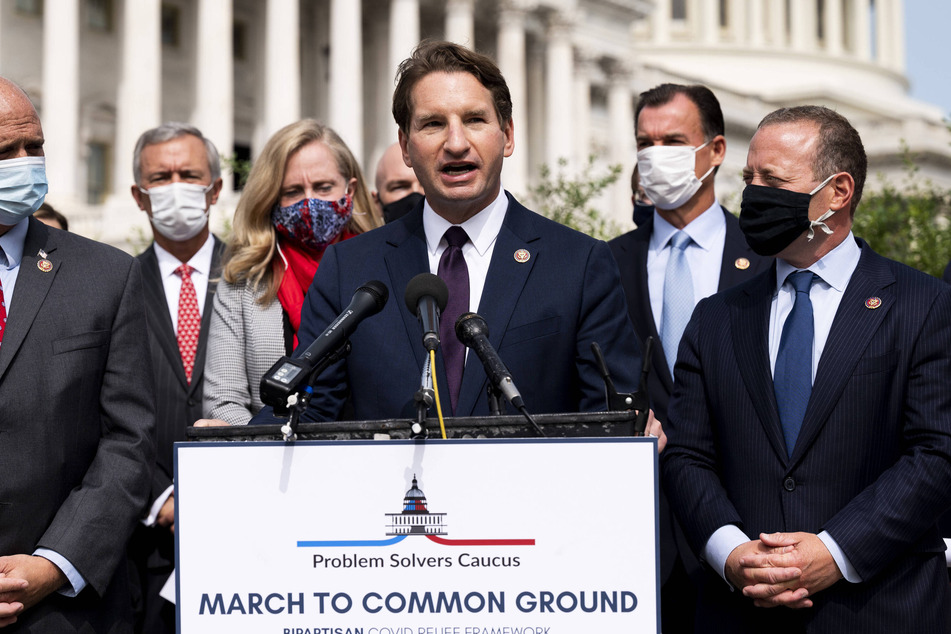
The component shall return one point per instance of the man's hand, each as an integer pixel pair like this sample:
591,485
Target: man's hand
210,422
756,565
655,429
166,515
800,551
25,580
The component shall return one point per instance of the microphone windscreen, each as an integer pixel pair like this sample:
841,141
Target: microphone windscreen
378,291
426,284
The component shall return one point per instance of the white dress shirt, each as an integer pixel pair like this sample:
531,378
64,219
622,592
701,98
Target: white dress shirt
704,256
172,282
482,229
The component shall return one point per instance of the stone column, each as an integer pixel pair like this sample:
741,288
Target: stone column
559,64
60,114
346,74
621,117
512,63
460,22
139,98
756,25
403,35
898,35
833,26
214,79
803,27
709,22
737,13
281,65
585,67
777,24
660,22
861,29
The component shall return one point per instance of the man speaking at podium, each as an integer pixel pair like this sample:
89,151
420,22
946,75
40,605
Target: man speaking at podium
545,291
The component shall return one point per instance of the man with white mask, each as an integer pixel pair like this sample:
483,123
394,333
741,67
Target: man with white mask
688,250
177,180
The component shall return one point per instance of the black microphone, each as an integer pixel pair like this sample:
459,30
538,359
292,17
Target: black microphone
473,332
286,376
426,296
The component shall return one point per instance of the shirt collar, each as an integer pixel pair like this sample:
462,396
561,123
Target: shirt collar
704,230
201,261
12,243
835,268
482,228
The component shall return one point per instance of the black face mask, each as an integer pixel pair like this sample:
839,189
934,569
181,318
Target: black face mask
642,213
772,218
401,207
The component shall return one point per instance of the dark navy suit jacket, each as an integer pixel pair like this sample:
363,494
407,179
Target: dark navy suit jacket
542,315
872,464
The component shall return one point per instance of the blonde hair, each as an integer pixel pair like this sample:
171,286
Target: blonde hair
253,244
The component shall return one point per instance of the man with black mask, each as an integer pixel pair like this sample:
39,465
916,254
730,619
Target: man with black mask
686,249
397,188
809,452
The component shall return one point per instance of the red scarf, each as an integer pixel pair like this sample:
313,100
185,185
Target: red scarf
299,273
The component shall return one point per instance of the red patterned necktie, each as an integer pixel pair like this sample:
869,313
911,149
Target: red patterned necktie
189,320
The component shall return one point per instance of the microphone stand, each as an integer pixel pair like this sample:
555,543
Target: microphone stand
424,399
298,402
496,400
623,401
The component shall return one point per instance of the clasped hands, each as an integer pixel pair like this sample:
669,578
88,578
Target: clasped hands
24,581
782,569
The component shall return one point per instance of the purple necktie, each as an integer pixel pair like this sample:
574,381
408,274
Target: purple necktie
455,273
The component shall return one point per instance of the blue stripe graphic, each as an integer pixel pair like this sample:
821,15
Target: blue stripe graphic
344,543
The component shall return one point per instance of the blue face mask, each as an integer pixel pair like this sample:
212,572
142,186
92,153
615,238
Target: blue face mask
23,188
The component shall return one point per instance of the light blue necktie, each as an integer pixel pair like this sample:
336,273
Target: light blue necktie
792,378
678,297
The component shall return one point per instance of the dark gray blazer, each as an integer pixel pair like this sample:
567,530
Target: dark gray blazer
75,422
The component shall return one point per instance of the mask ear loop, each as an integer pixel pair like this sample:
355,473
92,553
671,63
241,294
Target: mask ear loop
712,167
819,222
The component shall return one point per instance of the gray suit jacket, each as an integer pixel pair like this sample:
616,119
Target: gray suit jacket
75,422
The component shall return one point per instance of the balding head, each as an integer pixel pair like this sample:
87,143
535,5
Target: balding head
394,180
20,130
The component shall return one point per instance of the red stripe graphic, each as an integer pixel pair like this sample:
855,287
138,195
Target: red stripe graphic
481,542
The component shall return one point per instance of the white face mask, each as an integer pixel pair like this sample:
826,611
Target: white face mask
179,210
668,174
23,188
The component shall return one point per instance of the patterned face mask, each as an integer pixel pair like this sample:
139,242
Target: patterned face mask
311,222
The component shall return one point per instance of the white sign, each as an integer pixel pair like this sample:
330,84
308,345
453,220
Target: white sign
407,537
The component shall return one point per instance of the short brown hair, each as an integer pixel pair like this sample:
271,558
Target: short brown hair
434,56
839,149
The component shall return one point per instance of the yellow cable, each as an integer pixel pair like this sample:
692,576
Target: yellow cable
432,366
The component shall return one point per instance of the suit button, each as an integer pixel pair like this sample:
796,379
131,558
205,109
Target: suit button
789,484
192,402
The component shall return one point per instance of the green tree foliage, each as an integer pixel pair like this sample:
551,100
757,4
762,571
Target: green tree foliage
908,223
567,199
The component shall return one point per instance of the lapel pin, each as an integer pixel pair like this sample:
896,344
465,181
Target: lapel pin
741,263
873,302
43,263
522,256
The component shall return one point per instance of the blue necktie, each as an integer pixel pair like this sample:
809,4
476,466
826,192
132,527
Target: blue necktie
792,377
678,298
454,271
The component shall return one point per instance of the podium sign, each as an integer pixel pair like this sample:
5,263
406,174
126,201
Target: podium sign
418,537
